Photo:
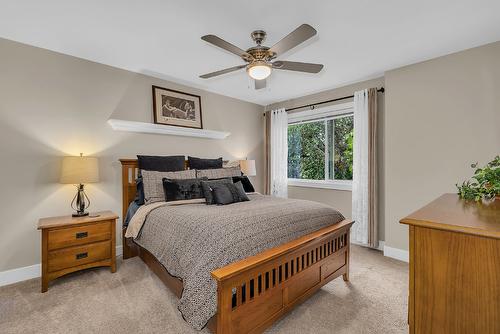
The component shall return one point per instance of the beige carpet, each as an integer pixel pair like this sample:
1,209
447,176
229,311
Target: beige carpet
133,300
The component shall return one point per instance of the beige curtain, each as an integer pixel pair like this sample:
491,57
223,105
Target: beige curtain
364,185
372,169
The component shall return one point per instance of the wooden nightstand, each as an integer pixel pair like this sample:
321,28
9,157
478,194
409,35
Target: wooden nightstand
71,244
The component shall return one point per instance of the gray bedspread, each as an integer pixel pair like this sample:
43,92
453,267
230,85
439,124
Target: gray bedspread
194,239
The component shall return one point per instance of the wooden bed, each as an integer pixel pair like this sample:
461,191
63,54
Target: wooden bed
267,285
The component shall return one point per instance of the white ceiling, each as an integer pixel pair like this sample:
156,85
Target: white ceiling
356,39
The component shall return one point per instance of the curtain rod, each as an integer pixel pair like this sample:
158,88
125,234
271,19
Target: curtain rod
313,105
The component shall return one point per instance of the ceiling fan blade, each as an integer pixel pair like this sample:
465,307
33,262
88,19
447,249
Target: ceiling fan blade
224,71
296,37
297,66
217,41
259,84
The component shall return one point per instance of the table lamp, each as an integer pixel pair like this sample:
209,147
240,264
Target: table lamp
248,167
78,171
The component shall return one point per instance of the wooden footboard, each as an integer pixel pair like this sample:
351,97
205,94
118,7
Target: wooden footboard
254,292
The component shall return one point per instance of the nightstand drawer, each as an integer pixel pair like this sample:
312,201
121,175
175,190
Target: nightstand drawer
79,235
75,256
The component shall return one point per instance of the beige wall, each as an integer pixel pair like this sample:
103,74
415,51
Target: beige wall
441,116
340,199
53,105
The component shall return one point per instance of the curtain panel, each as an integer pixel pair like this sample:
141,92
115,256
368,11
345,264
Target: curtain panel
277,153
364,182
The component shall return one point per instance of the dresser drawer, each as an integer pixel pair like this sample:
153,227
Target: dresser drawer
79,235
78,255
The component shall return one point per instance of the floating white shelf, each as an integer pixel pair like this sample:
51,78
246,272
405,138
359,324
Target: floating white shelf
141,127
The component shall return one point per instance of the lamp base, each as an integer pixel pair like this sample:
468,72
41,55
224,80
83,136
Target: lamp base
80,202
80,214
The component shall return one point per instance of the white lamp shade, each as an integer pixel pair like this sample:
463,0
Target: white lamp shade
248,167
77,170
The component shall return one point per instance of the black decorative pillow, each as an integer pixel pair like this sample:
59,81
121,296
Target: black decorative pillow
176,190
247,185
226,193
207,188
199,163
242,196
171,163
222,194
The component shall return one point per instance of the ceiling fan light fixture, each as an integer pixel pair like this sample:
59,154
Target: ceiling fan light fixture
259,70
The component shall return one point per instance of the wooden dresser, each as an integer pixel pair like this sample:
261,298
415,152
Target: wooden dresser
71,244
455,267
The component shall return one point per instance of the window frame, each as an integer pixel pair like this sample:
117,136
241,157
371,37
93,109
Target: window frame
318,115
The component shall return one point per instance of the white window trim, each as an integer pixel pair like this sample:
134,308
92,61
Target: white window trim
323,184
318,114
321,113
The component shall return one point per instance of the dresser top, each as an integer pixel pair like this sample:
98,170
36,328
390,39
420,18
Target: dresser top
451,213
69,220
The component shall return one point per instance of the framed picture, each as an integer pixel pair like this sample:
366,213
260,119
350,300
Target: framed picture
171,107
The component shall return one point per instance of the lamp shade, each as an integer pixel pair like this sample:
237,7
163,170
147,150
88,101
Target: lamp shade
79,170
248,167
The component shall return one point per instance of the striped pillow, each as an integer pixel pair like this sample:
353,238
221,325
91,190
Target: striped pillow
153,183
218,173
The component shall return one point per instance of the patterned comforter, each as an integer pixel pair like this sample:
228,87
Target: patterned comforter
192,240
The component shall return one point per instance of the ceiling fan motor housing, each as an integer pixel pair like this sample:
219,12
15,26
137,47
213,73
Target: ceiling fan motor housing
258,36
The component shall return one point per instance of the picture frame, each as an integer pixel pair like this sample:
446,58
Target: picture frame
175,108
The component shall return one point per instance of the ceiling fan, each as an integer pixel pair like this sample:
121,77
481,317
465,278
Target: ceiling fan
258,58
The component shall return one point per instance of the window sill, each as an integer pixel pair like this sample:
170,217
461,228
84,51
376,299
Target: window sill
336,185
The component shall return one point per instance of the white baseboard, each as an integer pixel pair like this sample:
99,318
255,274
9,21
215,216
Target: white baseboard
396,253
25,273
20,274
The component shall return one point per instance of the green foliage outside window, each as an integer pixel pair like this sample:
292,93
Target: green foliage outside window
343,137
306,151
309,143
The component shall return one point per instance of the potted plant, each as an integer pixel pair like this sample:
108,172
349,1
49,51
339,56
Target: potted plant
484,184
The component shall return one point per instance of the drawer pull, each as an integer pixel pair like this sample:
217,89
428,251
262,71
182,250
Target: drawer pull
81,255
81,235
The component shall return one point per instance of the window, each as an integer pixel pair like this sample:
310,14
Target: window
320,147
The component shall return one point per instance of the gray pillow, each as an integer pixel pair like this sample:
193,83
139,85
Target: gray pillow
227,193
153,183
207,188
222,194
218,173
243,197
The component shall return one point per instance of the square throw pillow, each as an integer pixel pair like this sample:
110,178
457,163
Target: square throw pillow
177,190
207,188
223,195
172,163
227,193
218,173
199,163
242,195
153,183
